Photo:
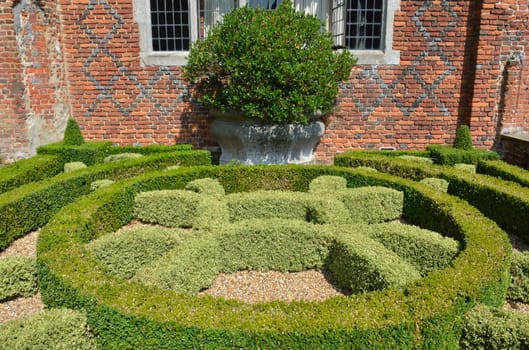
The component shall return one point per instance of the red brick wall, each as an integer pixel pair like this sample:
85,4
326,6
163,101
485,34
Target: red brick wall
458,65
34,102
13,133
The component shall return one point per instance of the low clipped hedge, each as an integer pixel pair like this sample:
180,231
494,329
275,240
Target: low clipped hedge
447,155
59,329
424,249
124,253
504,171
29,207
28,170
92,153
505,202
519,288
124,315
495,329
18,277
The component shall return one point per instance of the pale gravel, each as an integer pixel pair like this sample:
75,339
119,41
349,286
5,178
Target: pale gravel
247,286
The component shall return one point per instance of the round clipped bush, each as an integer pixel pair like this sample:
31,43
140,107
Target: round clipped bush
326,184
495,329
59,329
18,277
436,183
125,252
94,186
428,314
207,186
72,166
519,287
121,157
277,66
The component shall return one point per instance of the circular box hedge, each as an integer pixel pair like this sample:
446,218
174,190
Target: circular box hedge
127,315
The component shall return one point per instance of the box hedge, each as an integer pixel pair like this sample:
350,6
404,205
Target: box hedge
28,170
505,202
125,252
504,171
447,155
29,207
18,277
519,288
495,329
424,249
57,329
428,314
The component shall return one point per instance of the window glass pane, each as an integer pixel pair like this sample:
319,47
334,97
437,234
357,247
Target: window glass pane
266,4
364,24
170,25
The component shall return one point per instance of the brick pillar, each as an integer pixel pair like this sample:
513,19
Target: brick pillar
13,130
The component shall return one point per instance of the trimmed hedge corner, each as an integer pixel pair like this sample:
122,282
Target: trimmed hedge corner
50,329
18,277
427,314
28,170
29,207
447,155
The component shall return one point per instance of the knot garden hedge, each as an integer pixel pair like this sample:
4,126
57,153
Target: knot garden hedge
426,314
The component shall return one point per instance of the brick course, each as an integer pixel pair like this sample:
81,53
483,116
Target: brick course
461,62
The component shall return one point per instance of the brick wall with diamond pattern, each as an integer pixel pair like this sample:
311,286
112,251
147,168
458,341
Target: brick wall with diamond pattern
460,62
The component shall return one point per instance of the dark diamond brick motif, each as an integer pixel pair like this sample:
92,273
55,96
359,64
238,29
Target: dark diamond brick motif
106,84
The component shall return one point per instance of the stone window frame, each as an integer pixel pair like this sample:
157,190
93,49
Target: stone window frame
148,57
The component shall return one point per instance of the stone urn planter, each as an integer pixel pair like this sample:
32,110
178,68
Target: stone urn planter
255,142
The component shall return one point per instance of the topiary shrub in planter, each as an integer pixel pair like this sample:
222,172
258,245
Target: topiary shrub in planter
276,67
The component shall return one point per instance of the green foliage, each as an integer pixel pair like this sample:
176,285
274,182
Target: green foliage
506,203
92,153
487,328
361,264
172,208
54,329
436,183
18,277
121,156
207,186
72,134
190,267
266,204
416,159
274,244
94,186
89,153
327,184
504,171
73,166
372,204
463,140
428,314
29,207
469,168
123,253
28,170
519,287
426,250
446,155
278,66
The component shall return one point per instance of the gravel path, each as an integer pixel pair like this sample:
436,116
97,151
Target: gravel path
247,286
